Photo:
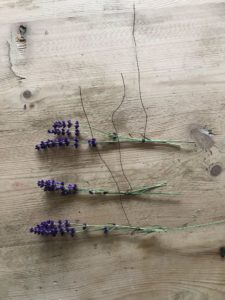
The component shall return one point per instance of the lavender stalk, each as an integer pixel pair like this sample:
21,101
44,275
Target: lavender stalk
67,133
51,185
53,228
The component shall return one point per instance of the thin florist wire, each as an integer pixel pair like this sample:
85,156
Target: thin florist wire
116,183
138,70
64,227
81,99
116,131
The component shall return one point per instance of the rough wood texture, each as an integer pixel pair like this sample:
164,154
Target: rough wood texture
181,50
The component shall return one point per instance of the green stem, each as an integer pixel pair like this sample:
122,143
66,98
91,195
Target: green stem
147,188
149,229
197,225
147,140
124,139
139,191
137,140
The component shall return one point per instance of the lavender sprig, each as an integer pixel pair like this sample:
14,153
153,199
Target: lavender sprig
53,228
68,132
51,185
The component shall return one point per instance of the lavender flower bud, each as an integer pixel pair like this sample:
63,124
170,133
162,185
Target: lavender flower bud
68,132
69,124
76,143
77,132
105,229
92,142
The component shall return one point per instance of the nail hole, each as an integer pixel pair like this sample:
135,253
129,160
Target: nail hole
222,252
22,29
27,94
215,170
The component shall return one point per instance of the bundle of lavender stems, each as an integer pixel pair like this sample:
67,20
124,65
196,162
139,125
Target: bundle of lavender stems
65,227
67,133
50,185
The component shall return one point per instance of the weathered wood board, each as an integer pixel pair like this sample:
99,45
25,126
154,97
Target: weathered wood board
181,51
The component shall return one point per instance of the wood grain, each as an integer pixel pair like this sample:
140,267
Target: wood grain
180,46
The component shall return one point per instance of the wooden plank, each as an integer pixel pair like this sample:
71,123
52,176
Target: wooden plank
180,46
31,10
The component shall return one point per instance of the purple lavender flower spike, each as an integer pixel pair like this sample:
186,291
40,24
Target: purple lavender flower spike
53,228
92,142
64,133
62,128
52,185
59,142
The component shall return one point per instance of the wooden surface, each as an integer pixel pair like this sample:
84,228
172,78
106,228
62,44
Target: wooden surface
181,50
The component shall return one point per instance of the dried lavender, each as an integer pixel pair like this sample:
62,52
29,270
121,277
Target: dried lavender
65,128
53,228
68,134
51,185
59,142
